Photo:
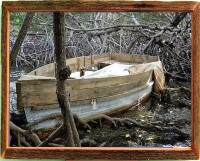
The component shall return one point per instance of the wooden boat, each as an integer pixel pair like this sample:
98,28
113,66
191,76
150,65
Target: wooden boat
115,83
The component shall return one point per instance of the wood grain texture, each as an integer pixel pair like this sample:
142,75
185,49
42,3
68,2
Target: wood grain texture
134,58
43,92
5,81
99,5
102,153
196,80
74,63
32,92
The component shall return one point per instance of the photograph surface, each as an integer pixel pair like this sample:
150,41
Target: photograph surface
100,79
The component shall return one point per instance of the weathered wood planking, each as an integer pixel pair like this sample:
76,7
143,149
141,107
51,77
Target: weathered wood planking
92,93
87,112
46,70
100,58
43,91
92,59
72,63
134,58
32,92
84,61
5,54
34,77
195,80
76,63
100,6
88,101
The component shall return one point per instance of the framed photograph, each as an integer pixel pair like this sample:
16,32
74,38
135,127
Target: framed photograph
93,80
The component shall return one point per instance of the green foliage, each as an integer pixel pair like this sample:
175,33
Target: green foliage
41,21
16,19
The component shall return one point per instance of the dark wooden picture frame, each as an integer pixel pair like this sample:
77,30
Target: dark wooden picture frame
102,153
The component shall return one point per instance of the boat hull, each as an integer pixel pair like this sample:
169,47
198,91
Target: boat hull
91,111
92,96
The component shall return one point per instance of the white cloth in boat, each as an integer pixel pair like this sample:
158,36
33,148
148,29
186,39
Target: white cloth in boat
120,69
116,69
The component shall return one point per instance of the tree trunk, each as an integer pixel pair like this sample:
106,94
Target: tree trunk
63,72
22,33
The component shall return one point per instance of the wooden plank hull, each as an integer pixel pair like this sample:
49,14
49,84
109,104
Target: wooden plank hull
90,111
92,96
42,92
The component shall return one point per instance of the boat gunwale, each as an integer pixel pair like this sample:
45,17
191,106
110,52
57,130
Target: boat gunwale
146,58
84,79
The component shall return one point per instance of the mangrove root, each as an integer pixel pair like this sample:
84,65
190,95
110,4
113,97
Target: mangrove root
29,135
150,127
45,118
51,137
